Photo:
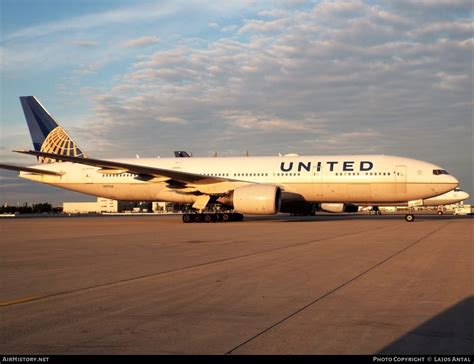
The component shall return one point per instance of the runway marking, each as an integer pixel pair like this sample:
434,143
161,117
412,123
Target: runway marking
127,280
19,300
333,290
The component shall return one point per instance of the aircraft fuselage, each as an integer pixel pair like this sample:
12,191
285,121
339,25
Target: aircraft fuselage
351,178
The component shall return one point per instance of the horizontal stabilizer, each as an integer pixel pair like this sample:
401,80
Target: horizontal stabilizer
12,167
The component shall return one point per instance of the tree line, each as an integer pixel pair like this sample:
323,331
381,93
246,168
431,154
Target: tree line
37,208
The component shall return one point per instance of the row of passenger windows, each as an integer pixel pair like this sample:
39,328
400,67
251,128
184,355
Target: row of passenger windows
344,174
120,175
299,174
266,174
237,174
367,174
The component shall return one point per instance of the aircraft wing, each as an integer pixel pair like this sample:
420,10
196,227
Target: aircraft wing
142,170
12,167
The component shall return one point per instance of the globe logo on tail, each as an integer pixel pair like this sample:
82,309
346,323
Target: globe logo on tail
59,142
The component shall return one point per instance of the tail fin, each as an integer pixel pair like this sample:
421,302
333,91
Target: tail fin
46,134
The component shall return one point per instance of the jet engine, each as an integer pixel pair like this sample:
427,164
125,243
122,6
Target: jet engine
338,207
254,199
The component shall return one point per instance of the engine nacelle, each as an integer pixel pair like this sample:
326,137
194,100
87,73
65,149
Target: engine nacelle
255,199
338,207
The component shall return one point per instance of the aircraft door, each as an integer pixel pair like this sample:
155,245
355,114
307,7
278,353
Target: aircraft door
88,172
317,181
401,179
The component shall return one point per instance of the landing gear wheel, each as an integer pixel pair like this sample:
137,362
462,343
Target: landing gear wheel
226,217
410,217
187,218
208,218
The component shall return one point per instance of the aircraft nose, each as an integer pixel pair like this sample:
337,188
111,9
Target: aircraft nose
445,184
452,180
465,195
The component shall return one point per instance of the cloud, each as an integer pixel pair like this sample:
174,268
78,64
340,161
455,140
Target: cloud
23,49
333,77
172,120
85,43
247,120
229,28
95,20
293,3
354,137
360,142
429,10
91,68
141,42
263,26
343,80
273,13
452,82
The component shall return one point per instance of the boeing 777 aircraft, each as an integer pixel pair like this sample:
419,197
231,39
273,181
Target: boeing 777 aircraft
248,185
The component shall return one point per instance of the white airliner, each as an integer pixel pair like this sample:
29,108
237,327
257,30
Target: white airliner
248,185
448,198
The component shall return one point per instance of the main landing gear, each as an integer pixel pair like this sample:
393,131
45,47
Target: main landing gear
218,217
376,210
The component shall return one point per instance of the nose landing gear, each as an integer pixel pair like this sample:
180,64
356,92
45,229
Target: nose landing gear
410,217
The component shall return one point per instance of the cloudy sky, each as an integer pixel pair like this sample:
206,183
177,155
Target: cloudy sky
289,76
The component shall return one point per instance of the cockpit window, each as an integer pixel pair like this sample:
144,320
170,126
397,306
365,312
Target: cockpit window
457,189
437,172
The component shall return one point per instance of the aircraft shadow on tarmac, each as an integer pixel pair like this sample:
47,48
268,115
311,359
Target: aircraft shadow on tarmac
450,332
342,217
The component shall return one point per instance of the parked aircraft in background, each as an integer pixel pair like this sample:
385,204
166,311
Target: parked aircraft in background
455,196
448,198
247,185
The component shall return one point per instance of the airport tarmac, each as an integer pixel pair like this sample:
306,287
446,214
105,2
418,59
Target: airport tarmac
335,284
